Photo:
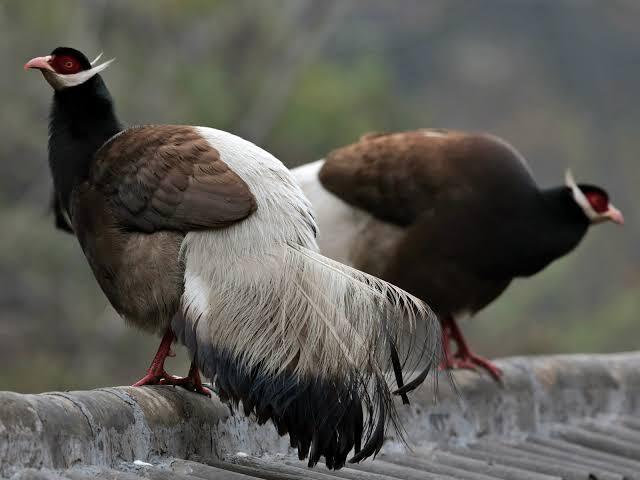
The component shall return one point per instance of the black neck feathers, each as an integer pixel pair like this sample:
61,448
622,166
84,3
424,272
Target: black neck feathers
562,207
82,119
554,229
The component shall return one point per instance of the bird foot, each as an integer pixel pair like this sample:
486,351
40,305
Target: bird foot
156,370
191,382
157,375
471,361
463,356
150,378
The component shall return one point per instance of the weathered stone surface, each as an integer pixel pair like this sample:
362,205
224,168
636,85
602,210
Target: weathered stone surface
111,428
33,474
102,427
102,473
535,392
201,470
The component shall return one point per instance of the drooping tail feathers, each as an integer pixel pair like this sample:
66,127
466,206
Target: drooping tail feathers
311,344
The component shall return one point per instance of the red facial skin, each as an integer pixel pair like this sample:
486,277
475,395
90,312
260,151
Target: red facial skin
598,201
65,64
61,64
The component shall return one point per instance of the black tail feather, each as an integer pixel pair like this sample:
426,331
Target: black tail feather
376,439
397,370
323,418
415,383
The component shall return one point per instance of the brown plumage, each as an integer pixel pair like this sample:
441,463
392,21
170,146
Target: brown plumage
198,234
168,177
160,181
449,216
433,183
396,177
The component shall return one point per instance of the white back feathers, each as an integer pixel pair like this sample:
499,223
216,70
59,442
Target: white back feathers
298,338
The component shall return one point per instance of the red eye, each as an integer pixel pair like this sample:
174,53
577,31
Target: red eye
65,64
598,201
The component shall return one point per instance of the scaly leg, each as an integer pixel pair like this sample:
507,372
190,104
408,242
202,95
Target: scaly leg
463,357
156,375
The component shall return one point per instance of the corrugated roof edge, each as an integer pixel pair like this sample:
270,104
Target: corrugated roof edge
110,425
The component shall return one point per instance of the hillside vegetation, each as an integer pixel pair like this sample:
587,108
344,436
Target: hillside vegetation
558,79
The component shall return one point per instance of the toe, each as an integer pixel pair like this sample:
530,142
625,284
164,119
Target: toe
147,380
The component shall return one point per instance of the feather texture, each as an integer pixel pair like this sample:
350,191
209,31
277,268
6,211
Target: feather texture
298,338
201,228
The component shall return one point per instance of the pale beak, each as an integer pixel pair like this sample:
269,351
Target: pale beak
41,63
614,215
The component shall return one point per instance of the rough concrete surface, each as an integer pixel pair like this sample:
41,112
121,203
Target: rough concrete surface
568,414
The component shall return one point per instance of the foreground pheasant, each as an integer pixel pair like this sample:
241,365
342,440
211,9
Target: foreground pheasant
199,235
449,216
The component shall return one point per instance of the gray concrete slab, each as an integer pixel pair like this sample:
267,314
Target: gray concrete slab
434,467
482,466
200,470
581,459
557,416
600,442
571,449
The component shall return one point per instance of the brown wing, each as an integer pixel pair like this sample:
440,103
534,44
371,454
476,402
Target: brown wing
398,176
169,178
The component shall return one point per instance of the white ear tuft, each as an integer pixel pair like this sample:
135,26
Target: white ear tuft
101,67
59,81
95,60
569,181
580,197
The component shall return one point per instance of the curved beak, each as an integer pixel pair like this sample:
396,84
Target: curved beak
41,63
614,215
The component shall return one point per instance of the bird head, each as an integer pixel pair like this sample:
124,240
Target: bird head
66,67
593,201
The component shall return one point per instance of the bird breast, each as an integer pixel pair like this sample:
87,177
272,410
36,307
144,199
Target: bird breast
141,274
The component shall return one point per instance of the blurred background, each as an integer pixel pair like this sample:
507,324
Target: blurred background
559,79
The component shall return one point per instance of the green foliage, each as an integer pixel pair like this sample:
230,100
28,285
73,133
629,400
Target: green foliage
351,100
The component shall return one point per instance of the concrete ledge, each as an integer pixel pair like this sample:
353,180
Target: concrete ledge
112,425
58,430
535,392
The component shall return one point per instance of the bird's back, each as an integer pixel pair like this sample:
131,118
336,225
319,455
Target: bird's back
430,212
396,177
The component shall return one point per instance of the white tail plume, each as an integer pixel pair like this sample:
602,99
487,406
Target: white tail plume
270,329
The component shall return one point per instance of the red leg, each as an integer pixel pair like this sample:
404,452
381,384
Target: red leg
156,375
463,357
156,369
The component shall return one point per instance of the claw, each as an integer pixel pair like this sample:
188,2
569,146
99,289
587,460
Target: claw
191,382
463,357
186,383
471,361
148,379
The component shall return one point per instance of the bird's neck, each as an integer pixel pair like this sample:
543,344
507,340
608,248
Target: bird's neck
556,229
82,120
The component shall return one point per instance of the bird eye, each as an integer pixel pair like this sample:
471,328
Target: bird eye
599,202
65,64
